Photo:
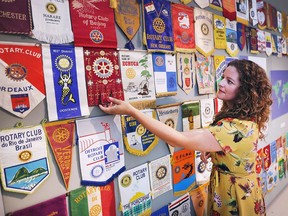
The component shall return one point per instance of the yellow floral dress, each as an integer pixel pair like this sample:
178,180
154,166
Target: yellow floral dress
234,185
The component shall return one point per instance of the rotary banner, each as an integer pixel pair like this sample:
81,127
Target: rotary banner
216,4
15,17
185,71
204,28
261,40
138,78
134,187
262,14
100,149
180,206
219,66
253,18
219,26
21,78
207,111
49,207
203,169
137,139
65,81
127,17
229,9
253,42
279,21
205,74
91,200
93,23
60,135
164,66
158,25
168,114
103,76
183,28
199,197
241,36
231,37
202,3
23,159
184,178
160,174
51,21
191,115
242,11
271,17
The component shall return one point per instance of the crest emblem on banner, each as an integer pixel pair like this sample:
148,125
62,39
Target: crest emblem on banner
138,140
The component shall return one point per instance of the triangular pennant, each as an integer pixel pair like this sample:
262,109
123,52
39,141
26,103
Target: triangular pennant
60,135
202,3
231,37
241,36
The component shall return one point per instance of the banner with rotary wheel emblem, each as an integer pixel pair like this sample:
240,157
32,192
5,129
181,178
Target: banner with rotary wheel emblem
183,28
51,21
91,200
207,111
134,187
127,16
100,148
204,28
242,11
49,207
158,26
219,66
65,81
103,76
180,206
93,23
231,37
138,78
202,169
21,78
219,25
183,167
137,139
199,197
60,135
168,114
23,159
164,66
160,176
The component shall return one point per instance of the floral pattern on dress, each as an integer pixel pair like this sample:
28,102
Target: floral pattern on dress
234,185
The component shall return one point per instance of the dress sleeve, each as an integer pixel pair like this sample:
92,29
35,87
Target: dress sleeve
234,135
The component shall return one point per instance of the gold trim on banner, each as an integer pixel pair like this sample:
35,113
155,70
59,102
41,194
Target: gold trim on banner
143,104
166,94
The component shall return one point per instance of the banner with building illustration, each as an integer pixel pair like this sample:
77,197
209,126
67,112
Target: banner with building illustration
100,148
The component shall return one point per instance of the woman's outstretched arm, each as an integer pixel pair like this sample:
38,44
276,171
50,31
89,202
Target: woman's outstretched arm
197,139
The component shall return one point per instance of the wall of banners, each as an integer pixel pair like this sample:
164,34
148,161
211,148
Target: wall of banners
65,153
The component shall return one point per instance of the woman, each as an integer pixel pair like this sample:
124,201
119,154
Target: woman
231,139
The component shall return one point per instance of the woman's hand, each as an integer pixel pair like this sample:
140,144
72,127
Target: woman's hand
118,107
204,156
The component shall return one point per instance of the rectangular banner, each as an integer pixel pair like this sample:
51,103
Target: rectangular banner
101,150
138,78
180,206
93,24
207,111
65,81
91,200
191,115
164,66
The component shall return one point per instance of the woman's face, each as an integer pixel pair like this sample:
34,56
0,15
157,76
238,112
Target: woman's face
229,85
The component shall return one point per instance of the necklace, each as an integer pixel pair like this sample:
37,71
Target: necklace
158,23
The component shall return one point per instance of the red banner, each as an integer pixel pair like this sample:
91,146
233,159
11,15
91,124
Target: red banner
93,24
229,9
183,27
61,138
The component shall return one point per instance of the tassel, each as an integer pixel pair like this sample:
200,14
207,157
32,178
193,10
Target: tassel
129,45
113,4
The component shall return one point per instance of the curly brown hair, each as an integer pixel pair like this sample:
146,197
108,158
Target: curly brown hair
253,99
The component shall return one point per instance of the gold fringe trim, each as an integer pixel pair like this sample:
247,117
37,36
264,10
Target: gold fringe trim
144,104
177,49
168,105
166,94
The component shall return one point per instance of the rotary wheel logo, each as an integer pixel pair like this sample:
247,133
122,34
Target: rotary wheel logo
61,135
207,111
25,155
130,73
158,25
161,172
103,67
64,63
16,72
159,61
126,181
51,8
96,36
140,130
95,210
204,29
